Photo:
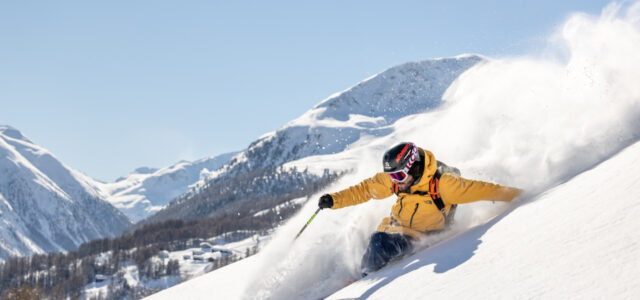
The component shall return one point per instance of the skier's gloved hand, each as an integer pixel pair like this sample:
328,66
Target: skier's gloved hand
326,201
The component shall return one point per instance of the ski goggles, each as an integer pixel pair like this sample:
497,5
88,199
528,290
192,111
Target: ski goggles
399,176
402,175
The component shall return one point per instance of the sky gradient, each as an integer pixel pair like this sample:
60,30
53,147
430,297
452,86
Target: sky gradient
112,86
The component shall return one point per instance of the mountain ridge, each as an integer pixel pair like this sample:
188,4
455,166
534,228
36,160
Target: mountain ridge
366,109
47,206
148,190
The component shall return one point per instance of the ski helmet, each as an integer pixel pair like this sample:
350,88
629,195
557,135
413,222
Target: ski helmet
398,160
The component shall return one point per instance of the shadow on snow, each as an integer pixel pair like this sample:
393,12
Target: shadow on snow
459,249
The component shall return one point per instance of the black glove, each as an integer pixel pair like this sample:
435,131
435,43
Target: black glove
326,201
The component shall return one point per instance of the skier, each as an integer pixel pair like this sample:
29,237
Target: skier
427,193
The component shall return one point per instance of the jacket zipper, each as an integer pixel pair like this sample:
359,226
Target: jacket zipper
414,213
400,210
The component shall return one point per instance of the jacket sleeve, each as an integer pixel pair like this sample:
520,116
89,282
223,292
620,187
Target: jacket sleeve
458,190
376,187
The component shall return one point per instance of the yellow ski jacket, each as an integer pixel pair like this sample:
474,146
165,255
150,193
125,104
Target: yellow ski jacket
414,212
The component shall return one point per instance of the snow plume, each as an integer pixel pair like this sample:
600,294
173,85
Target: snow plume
327,254
531,122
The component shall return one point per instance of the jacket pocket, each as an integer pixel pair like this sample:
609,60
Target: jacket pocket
400,210
413,214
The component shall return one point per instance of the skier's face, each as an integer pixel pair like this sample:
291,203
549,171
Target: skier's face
405,185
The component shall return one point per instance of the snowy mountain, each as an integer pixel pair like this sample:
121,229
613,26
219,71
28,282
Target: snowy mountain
145,191
46,206
365,111
565,127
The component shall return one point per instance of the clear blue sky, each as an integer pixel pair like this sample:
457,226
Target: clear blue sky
109,86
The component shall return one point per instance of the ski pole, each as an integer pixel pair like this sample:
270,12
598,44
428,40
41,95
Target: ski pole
305,225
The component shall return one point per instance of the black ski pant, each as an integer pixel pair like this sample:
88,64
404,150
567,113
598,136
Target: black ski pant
383,247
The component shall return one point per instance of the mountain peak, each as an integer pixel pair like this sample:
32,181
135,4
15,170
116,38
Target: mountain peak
13,133
49,207
408,88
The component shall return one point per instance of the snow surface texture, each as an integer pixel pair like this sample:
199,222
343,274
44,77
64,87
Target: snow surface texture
146,191
532,122
46,206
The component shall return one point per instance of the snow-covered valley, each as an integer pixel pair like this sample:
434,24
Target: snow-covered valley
202,257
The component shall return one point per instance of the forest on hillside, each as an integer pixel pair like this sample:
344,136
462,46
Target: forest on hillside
65,275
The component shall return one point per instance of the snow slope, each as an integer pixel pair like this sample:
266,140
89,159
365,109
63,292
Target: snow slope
46,206
146,191
579,240
219,284
563,125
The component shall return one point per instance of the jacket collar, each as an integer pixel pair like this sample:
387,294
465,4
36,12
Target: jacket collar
430,167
